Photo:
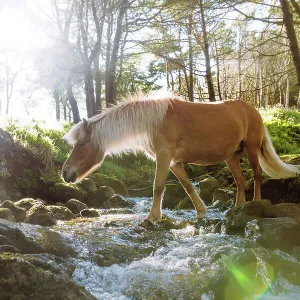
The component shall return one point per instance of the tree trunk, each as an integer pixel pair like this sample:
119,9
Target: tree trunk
107,59
57,100
287,93
210,86
72,101
111,93
191,73
291,34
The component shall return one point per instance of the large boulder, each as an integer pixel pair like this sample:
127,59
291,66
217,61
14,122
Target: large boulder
40,215
284,210
61,212
12,235
18,212
33,239
76,206
6,214
21,170
21,278
283,233
206,189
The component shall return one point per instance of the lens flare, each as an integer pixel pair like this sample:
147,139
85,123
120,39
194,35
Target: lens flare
248,281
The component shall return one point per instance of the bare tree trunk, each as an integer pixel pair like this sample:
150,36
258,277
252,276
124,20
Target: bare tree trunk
107,59
210,86
218,71
57,100
290,30
99,30
111,93
72,101
191,73
287,93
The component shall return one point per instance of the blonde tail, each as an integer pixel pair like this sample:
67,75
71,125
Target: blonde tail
271,163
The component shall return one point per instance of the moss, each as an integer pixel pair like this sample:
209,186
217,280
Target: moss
117,185
66,191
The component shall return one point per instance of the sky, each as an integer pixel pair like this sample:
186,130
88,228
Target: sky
20,35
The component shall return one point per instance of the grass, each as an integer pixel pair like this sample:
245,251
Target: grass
284,129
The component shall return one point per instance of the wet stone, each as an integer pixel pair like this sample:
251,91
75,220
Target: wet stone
40,215
89,213
61,213
282,233
18,212
76,206
6,213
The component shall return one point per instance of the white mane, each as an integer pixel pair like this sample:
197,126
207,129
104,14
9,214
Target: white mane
129,125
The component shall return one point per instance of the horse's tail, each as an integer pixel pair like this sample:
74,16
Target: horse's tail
271,163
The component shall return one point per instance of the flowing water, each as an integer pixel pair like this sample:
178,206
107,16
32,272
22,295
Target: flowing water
117,259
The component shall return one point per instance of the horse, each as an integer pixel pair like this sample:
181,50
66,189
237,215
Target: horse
175,132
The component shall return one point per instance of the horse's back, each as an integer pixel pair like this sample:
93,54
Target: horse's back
209,132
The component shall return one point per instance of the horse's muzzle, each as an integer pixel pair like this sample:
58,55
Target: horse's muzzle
71,177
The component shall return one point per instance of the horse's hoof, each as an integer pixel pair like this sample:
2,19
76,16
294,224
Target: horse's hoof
146,224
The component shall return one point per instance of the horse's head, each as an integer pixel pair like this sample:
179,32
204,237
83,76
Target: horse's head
85,156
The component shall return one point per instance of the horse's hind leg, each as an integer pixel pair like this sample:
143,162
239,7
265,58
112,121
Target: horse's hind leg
179,172
233,164
163,160
254,162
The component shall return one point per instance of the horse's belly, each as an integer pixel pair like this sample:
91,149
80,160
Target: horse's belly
205,154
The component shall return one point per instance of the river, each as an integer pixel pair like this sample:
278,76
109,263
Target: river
117,259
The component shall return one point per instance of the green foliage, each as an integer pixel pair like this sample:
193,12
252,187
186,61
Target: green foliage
130,168
284,129
46,143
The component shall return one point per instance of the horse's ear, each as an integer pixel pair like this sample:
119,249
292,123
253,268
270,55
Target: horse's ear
86,126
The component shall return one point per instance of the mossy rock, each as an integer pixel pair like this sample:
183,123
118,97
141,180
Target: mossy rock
223,194
61,212
40,215
236,220
142,192
22,278
173,194
6,214
27,203
256,208
18,212
206,189
76,206
117,185
185,203
88,184
65,191
116,201
54,243
291,210
282,233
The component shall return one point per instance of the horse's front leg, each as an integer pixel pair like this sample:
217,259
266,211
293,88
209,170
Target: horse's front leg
163,160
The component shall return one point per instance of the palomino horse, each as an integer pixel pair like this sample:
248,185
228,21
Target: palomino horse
175,132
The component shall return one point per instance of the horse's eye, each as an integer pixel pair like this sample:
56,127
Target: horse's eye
81,144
